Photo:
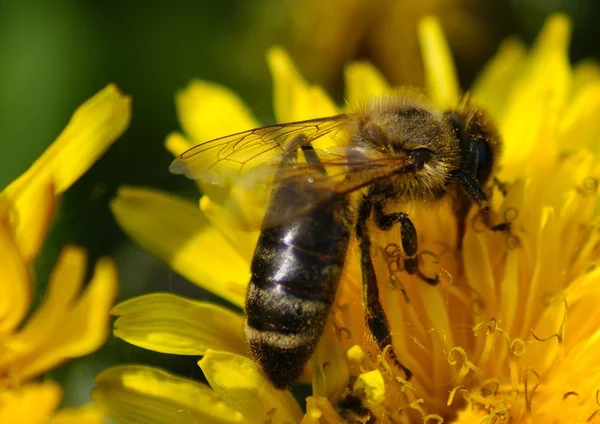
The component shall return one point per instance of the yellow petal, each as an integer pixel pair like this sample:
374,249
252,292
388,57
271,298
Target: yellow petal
320,411
293,98
237,381
537,100
94,126
83,327
330,365
87,414
140,394
440,74
207,110
176,143
492,87
579,127
31,404
14,277
221,218
31,222
63,286
175,231
363,82
172,324
585,72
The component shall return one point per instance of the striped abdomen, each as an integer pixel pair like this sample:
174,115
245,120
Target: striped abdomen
296,269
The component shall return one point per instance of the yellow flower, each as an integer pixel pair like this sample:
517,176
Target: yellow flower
71,321
509,335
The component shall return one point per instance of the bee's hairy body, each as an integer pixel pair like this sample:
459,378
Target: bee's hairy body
396,149
297,266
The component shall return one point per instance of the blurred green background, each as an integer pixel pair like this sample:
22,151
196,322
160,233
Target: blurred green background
56,54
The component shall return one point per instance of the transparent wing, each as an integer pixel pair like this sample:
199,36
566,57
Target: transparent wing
224,159
276,193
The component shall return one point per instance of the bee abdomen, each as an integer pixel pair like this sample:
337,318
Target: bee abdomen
295,274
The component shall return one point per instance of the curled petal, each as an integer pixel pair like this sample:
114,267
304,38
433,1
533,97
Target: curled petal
141,394
94,126
237,381
172,324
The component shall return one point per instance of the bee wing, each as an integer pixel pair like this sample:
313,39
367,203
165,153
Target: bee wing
225,159
274,193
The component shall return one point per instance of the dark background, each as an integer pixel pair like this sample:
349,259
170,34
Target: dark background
56,54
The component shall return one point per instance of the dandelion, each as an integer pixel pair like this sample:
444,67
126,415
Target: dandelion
71,321
509,335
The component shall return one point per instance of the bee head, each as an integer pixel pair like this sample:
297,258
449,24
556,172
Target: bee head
479,142
422,141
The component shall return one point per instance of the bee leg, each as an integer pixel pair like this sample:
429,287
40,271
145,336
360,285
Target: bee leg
476,193
408,234
376,318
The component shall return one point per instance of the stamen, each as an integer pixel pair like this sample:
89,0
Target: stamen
559,334
528,394
466,365
453,392
489,388
596,413
477,305
489,340
434,417
589,186
516,348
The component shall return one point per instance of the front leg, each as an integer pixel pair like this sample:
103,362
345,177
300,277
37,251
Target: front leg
476,193
375,315
408,236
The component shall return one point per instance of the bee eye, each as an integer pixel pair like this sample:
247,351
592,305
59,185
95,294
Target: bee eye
419,157
482,157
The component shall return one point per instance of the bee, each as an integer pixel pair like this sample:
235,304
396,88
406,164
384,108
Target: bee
393,150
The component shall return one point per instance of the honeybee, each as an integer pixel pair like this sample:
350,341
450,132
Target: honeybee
395,149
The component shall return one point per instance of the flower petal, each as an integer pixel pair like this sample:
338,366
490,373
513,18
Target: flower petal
208,110
221,218
293,98
175,231
585,72
94,126
238,382
140,394
83,327
363,82
31,223
14,276
536,100
440,74
63,286
579,127
31,404
320,411
86,414
172,324
330,365
492,87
